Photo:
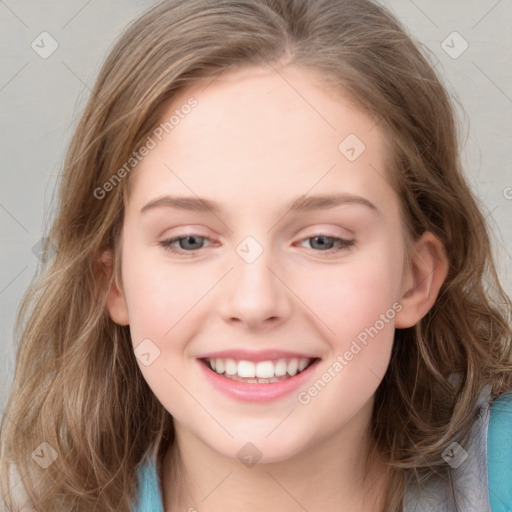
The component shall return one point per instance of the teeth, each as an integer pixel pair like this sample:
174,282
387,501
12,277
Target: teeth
293,366
260,370
231,366
246,369
219,366
302,364
280,368
265,370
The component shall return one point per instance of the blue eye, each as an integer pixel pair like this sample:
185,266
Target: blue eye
187,243
329,244
190,244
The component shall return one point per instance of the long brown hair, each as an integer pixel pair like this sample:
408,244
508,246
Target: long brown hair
77,386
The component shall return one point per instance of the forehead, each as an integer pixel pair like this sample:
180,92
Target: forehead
265,133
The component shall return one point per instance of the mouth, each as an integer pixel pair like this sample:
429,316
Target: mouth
261,372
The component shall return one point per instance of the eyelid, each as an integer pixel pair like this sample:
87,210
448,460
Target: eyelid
344,244
167,243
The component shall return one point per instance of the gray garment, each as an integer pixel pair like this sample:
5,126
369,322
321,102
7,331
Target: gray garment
468,487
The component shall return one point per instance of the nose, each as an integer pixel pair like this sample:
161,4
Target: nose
255,295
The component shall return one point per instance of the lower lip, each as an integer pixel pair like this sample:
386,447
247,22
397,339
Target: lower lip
253,392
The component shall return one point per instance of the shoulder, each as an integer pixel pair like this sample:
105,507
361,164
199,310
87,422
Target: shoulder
479,472
150,496
499,453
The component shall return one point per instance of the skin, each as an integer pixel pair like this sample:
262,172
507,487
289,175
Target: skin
253,144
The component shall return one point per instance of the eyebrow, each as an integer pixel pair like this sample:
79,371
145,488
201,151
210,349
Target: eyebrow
300,204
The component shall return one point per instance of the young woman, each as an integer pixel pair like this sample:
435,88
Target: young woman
272,289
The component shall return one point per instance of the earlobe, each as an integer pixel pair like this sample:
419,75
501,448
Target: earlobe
116,302
422,280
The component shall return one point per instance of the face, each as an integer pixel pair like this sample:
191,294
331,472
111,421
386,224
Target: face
264,269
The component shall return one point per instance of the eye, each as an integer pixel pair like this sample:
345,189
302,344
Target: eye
189,243
328,244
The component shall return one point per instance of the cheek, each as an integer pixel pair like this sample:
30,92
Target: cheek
357,305
162,296
164,303
353,295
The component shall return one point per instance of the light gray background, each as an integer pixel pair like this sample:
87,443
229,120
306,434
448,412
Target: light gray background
41,100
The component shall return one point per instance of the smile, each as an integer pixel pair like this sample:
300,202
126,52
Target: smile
257,381
261,372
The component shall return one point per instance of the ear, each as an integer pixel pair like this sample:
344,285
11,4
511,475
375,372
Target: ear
116,302
422,280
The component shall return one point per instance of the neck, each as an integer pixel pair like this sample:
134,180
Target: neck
329,476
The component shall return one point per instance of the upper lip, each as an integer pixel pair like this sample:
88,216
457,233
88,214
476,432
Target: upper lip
262,355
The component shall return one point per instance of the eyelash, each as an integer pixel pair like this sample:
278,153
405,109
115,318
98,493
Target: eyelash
344,244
